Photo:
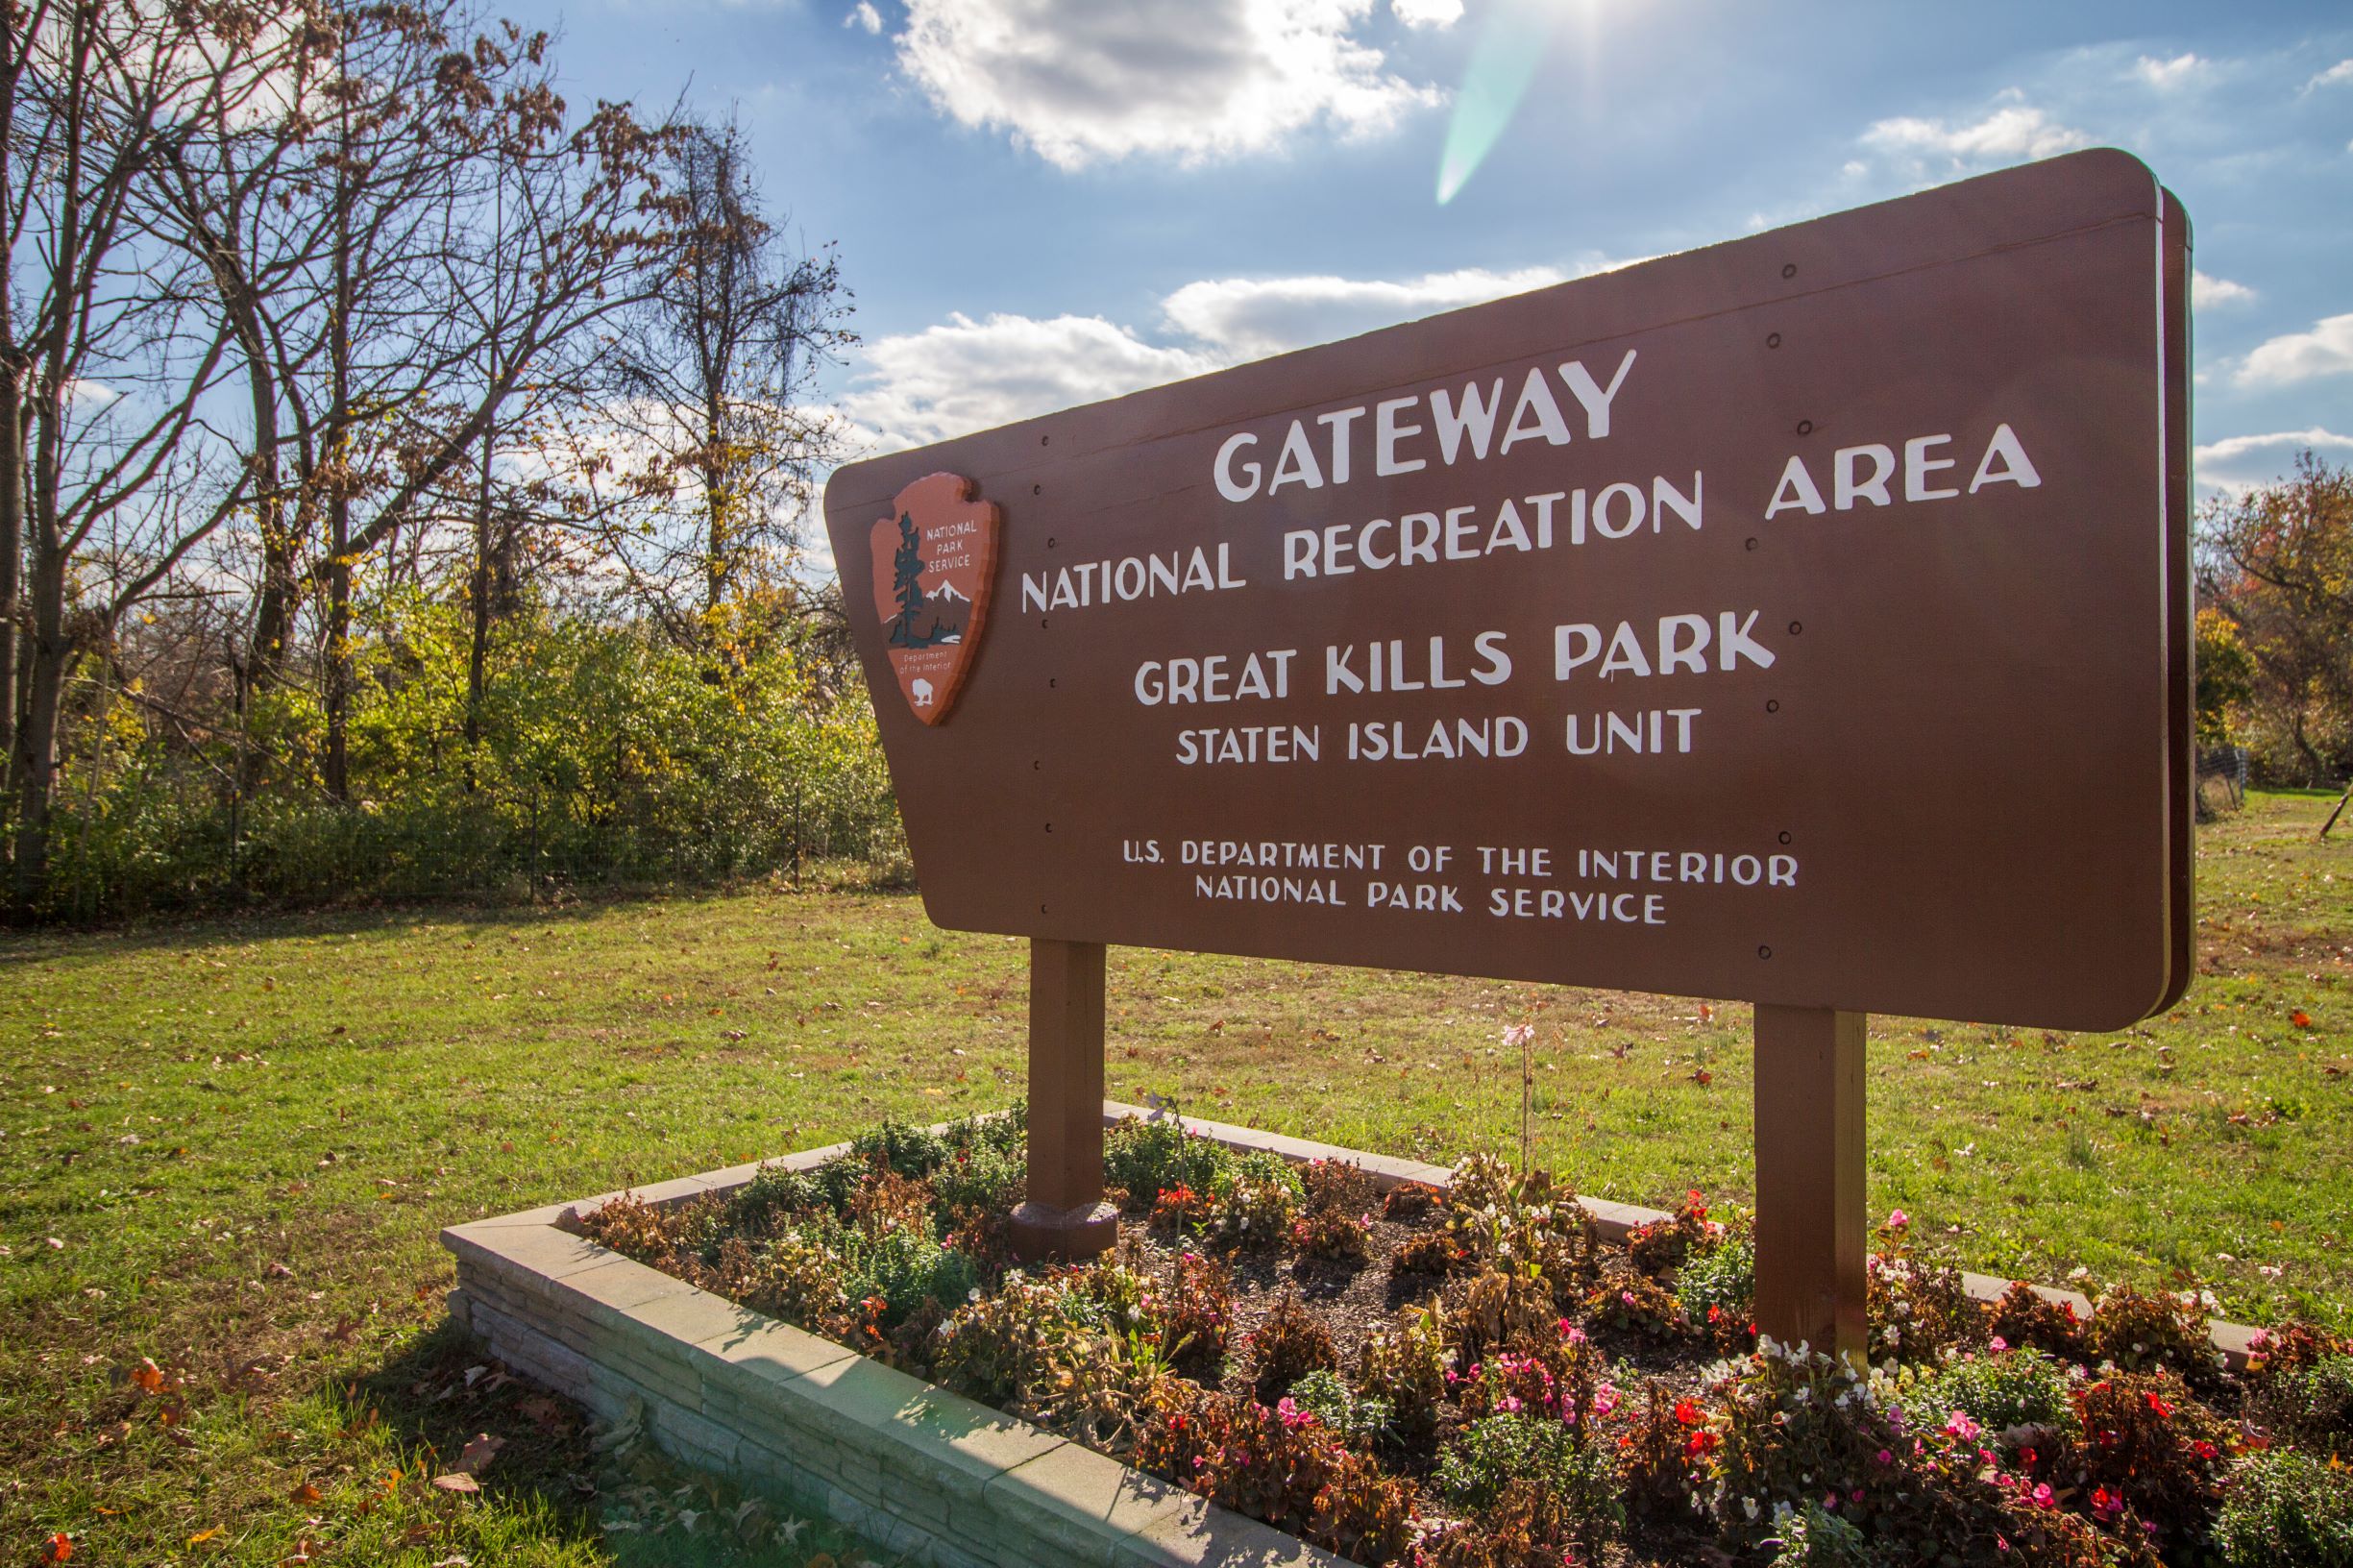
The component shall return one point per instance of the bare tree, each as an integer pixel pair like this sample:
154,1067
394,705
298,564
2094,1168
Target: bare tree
426,255
712,397
106,364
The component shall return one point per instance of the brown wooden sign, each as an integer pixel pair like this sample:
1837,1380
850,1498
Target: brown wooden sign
1800,619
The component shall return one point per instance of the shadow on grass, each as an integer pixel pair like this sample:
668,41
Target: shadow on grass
612,1489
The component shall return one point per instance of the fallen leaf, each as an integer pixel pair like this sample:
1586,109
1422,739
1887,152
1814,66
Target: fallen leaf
2300,1019
457,1481
308,1493
204,1535
478,1453
58,1547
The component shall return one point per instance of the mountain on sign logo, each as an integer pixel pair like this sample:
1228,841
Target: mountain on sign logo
935,560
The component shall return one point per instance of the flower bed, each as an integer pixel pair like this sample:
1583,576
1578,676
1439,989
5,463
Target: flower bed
1473,1375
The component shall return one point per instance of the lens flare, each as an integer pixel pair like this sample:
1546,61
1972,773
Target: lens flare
1510,49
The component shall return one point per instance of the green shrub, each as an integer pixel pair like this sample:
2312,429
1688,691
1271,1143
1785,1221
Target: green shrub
1811,1538
1149,1157
907,1149
980,1176
1359,1420
2313,1404
2285,1510
1476,1467
2014,1388
903,1267
1718,1282
1405,1366
1253,1202
773,1195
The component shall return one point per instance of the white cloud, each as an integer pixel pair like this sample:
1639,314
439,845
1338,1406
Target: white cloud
1248,318
1080,80
2210,293
963,375
2327,349
2237,463
2336,76
2165,75
2013,134
864,15
1427,12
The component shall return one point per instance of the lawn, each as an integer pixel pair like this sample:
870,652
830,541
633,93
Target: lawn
227,1147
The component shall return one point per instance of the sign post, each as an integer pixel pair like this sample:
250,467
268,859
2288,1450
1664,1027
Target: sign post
1810,1217
1803,621
1065,1215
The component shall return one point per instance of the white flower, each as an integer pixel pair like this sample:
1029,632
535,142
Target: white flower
1748,1506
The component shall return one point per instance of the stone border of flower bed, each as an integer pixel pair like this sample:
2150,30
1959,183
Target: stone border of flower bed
914,1468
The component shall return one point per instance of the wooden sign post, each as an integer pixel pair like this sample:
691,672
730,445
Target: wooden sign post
1810,1218
1064,1215
1805,621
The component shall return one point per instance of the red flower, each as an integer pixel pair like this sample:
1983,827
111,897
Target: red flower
2165,1411
1687,1413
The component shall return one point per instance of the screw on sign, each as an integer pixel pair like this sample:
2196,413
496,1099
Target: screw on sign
1803,621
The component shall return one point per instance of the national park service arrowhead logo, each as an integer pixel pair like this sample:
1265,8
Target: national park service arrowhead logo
935,559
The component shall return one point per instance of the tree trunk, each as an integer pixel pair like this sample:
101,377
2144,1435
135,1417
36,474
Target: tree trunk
11,543
35,760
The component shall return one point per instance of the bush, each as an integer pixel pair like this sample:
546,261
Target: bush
1717,1288
1405,1366
902,1268
1917,1310
2311,1403
1814,1539
773,1195
1287,1346
1337,1217
1431,1252
1286,1469
2285,1510
910,1150
1199,1312
2151,1449
2142,1332
1357,1420
2005,1391
1410,1203
1151,1156
1629,1299
1476,1468
1253,1202
1663,1245
980,1179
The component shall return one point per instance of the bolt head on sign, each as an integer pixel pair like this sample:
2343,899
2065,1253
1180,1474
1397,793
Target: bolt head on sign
935,560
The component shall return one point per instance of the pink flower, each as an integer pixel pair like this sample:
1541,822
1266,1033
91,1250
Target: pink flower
1960,1426
1886,1458
1999,1345
2044,1497
1896,1219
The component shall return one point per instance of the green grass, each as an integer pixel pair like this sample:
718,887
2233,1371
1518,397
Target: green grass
241,1137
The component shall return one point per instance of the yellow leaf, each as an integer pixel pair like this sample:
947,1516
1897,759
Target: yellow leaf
204,1535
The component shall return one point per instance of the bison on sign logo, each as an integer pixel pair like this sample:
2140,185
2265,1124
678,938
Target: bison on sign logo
935,560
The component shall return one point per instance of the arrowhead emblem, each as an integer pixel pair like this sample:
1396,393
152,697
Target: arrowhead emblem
934,564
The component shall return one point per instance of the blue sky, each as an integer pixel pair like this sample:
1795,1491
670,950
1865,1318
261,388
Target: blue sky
1039,203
